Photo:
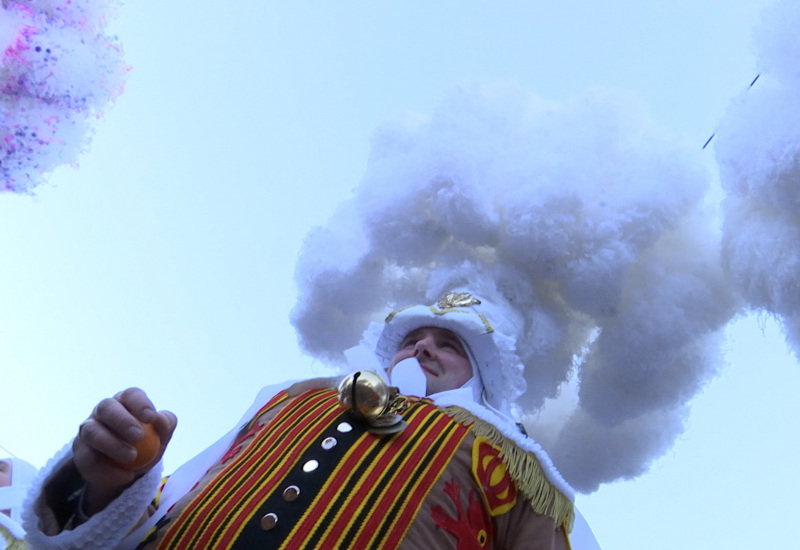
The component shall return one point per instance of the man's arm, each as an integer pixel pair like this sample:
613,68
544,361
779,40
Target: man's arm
105,443
89,477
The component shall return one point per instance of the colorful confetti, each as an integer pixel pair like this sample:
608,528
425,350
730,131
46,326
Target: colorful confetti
59,71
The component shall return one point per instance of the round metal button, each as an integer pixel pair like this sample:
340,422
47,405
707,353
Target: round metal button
344,427
268,521
310,466
329,443
291,493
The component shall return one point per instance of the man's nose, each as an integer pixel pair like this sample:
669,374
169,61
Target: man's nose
424,346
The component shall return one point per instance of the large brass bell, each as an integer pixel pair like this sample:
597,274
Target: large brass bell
368,397
365,394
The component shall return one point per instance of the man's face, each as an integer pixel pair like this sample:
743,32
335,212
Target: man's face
5,473
443,358
5,479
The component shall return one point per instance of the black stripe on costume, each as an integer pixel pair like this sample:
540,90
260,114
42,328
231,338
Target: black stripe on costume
310,484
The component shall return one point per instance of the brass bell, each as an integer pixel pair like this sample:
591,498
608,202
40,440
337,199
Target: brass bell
365,394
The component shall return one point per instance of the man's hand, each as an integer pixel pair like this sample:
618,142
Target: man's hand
106,441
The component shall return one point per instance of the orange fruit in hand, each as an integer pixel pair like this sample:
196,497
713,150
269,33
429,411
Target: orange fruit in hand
146,448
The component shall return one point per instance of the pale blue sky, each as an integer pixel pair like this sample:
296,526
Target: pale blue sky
165,260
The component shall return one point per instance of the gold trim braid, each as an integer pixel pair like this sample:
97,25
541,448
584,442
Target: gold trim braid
12,542
524,468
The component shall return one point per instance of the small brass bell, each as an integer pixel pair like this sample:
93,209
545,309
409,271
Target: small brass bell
365,394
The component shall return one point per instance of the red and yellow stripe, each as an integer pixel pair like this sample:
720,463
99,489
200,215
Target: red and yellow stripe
368,501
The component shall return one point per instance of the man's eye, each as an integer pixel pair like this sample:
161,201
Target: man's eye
408,344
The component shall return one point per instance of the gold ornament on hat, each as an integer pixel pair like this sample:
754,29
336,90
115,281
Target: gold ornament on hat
369,398
457,299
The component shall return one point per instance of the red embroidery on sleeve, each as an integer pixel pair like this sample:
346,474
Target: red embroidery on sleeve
474,530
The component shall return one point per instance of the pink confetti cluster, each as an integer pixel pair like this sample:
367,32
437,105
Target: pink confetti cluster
59,70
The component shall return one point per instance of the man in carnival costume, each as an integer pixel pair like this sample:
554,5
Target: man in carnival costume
415,448
16,476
